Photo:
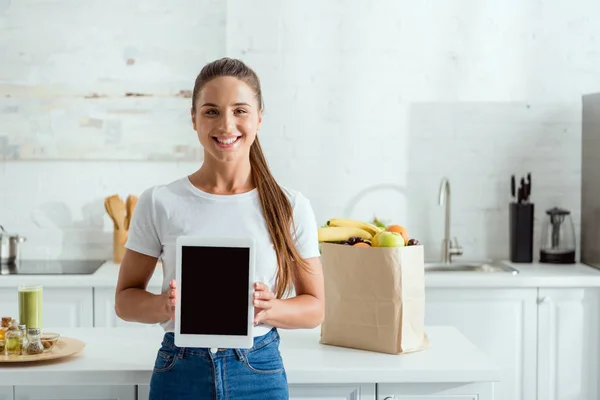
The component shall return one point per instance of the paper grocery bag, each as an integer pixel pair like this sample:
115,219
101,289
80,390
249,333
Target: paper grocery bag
374,298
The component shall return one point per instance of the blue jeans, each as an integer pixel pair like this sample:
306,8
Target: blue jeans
230,374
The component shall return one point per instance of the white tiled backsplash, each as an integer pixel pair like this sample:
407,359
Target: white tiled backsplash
368,106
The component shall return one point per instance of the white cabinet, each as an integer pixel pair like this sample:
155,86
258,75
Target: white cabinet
568,344
143,392
104,309
62,307
75,392
332,392
436,391
6,393
502,323
311,392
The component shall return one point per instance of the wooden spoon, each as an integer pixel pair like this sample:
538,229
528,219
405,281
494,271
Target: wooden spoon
130,204
109,211
117,210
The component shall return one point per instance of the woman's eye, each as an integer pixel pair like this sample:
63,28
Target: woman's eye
211,112
240,111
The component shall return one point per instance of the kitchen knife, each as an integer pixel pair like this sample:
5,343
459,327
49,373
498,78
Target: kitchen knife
523,190
528,194
513,187
520,195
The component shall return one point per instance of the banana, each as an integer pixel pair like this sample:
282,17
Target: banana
344,222
341,233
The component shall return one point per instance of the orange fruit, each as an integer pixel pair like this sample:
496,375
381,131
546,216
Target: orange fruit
399,229
360,244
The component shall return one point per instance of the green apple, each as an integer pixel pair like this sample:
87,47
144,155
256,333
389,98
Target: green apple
390,239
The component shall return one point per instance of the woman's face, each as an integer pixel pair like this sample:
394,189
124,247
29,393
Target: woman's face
227,118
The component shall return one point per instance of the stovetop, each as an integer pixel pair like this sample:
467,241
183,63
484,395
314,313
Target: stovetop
51,267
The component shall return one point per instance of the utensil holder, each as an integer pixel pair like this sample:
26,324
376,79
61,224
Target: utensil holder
521,232
119,240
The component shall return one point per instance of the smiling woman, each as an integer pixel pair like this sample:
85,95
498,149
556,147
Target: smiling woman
229,115
233,193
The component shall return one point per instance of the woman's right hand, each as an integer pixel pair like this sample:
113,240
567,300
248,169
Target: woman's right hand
171,299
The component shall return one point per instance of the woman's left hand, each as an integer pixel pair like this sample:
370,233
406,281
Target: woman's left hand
263,302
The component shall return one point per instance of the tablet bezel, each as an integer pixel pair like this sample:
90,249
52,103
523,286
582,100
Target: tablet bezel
215,341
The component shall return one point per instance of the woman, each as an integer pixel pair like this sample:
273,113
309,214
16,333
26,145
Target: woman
233,191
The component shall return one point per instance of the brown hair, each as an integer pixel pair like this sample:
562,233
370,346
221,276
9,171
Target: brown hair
276,207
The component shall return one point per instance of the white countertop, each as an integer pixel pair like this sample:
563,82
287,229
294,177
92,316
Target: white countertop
105,276
115,356
530,275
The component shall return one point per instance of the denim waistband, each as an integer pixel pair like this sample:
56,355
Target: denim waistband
259,342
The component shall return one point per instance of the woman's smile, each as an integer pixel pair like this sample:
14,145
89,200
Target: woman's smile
227,142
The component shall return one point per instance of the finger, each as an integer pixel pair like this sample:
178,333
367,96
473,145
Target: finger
172,294
258,317
265,305
264,295
260,286
173,284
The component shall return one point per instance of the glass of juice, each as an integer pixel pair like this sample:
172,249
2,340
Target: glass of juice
30,305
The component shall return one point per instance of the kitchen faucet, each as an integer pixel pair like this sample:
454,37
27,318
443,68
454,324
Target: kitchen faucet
448,249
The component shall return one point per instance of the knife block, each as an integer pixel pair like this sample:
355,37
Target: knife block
521,232
119,240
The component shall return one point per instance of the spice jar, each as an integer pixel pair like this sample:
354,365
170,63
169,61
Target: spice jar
14,339
4,326
34,341
23,334
5,322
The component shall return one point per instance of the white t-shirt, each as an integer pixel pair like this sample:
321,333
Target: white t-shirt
165,212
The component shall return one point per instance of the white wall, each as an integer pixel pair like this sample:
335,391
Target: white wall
368,105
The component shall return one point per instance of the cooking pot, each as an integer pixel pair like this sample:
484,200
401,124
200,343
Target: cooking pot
9,246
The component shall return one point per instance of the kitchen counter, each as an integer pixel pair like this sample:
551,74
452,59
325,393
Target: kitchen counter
125,356
530,275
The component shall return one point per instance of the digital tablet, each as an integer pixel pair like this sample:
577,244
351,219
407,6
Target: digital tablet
215,287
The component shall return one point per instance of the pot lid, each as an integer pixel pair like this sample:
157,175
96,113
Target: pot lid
558,211
11,235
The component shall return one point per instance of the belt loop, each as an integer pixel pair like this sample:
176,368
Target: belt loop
240,354
181,353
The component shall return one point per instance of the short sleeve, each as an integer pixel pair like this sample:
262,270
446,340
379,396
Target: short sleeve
143,234
307,231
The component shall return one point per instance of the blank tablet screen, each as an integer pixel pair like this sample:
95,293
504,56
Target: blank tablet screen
214,290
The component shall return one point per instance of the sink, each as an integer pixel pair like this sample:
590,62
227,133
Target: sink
470,267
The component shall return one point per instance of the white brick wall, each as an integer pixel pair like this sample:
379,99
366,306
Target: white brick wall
369,105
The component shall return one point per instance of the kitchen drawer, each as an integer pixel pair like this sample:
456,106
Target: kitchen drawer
435,391
6,393
75,392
